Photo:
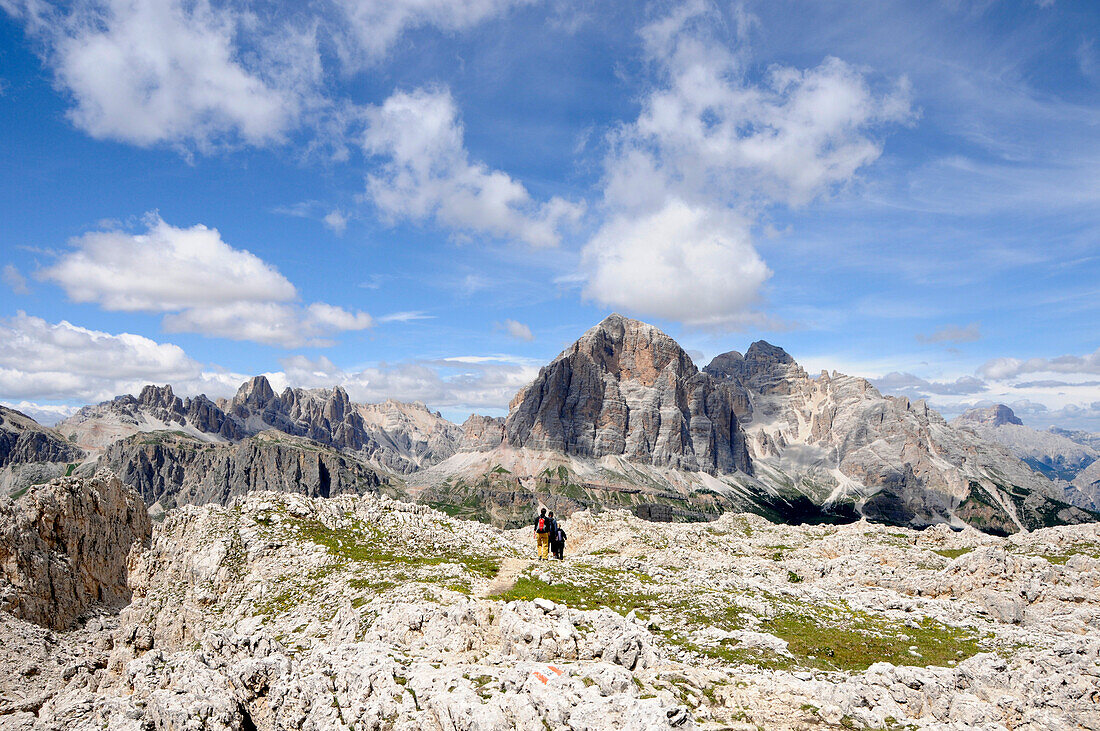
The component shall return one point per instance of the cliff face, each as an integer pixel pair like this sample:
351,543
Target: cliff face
894,460
23,440
64,548
627,389
173,469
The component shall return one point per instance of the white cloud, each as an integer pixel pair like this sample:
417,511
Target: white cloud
169,71
708,154
446,384
337,221
370,27
518,330
406,316
337,318
41,360
1005,368
204,74
915,387
164,269
203,284
271,323
687,263
427,174
953,334
15,280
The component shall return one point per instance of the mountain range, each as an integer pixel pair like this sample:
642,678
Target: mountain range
621,418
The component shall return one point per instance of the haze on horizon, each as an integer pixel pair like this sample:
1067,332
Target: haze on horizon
427,201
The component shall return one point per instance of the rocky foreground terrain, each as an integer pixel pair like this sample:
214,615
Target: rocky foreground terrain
281,611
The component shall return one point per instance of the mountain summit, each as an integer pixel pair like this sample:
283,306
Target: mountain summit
626,388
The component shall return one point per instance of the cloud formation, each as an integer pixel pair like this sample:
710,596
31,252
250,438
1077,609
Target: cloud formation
427,174
42,360
710,151
452,383
953,334
14,279
1005,368
154,71
200,75
518,330
910,385
202,284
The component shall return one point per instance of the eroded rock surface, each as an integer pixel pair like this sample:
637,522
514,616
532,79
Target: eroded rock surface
626,388
284,612
64,547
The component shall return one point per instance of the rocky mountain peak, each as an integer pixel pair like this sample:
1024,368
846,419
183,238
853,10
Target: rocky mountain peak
159,397
996,415
764,352
627,388
765,368
256,392
631,349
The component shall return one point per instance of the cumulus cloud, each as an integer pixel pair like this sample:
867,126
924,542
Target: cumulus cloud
337,221
203,284
427,174
688,263
518,330
42,360
709,152
370,27
1005,368
953,334
164,269
444,383
15,280
908,384
155,71
200,74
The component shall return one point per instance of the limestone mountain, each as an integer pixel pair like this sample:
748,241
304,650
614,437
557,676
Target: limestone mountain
394,436
281,612
31,453
627,389
623,417
172,468
1053,454
849,448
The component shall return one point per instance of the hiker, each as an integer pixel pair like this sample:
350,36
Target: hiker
557,542
542,535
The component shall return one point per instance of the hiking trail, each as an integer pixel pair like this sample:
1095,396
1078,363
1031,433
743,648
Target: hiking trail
510,569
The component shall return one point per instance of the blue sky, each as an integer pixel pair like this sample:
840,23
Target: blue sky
428,200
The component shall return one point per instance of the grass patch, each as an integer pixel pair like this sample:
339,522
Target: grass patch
952,553
839,638
365,544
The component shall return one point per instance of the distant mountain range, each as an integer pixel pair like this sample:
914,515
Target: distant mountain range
621,418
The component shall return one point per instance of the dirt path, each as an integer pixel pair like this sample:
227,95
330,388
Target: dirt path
510,569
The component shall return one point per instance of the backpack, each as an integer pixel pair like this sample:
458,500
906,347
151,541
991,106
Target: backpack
559,537
542,526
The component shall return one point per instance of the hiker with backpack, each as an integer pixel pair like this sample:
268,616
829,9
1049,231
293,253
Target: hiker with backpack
557,542
542,535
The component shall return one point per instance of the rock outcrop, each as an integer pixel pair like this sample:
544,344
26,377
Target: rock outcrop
23,440
30,453
171,469
482,433
64,548
626,388
281,612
